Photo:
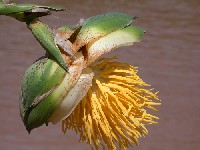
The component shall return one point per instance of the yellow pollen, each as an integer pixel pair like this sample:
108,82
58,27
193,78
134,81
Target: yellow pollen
114,112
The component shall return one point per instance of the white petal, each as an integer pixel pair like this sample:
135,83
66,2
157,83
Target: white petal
74,96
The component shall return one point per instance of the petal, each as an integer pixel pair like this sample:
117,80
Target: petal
74,96
99,26
123,37
66,31
67,34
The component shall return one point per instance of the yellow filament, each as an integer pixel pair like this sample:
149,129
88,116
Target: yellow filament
115,109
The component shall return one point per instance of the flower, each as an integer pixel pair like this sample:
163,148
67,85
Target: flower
115,108
104,101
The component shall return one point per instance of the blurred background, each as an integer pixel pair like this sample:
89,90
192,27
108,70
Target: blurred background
168,58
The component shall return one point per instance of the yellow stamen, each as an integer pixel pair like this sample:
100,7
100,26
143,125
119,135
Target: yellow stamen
115,109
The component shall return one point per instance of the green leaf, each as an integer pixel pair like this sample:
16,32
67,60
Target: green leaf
99,26
123,37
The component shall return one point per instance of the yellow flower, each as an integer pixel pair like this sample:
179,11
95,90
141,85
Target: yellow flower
116,107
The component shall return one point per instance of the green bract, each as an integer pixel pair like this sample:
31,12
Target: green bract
44,86
39,82
45,37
